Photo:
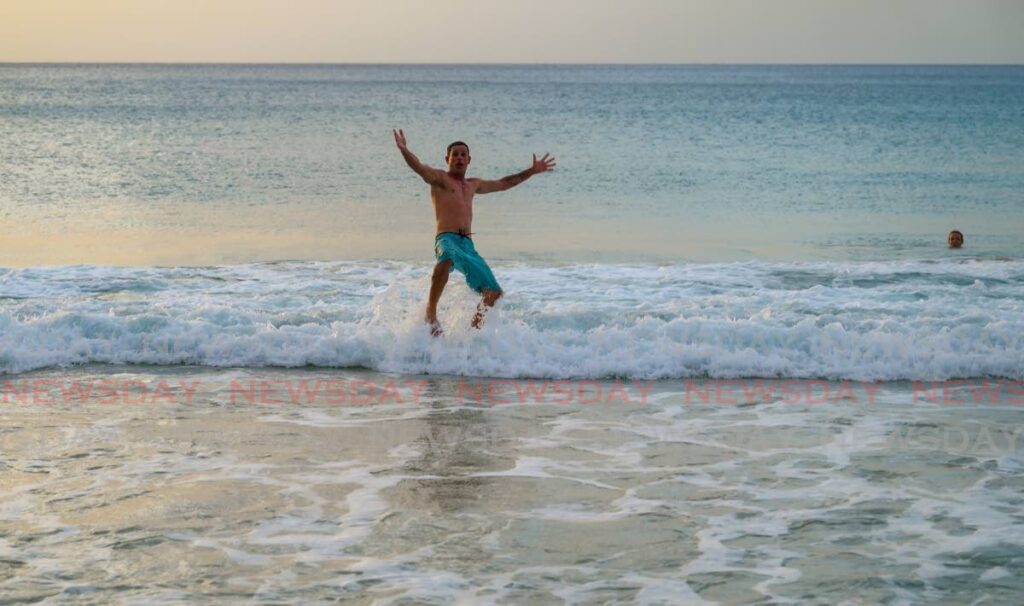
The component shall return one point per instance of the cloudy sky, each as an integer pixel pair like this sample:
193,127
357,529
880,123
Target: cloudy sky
514,31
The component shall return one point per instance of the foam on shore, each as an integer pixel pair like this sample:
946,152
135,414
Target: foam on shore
908,320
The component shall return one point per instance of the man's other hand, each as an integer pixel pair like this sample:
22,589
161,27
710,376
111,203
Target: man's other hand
400,140
539,166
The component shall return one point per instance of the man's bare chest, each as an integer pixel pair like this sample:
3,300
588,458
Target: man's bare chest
454,194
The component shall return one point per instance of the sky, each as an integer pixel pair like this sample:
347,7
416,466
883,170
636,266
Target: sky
513,31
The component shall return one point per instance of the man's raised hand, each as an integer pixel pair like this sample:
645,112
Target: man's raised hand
543,165
400,139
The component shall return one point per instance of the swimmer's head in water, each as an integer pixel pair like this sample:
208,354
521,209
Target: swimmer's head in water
457,157
955,239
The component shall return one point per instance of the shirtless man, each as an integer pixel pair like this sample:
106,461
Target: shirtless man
452,195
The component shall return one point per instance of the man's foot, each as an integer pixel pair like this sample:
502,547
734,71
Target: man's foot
478,318
435,328
490,298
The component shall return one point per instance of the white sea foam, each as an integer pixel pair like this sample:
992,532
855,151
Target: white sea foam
926,320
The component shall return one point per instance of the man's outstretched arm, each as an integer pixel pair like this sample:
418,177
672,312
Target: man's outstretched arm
539,166
432,176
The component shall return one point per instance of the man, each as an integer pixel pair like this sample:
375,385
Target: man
955,239
452,195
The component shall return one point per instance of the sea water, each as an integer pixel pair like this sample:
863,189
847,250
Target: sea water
734,362
721,221
174,165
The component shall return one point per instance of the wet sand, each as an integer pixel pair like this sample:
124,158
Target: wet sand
175,485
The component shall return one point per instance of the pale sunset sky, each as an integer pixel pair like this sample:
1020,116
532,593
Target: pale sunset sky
513,31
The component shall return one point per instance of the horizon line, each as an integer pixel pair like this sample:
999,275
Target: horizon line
515,64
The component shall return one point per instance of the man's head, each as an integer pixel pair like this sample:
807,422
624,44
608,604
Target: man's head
955,239
457,157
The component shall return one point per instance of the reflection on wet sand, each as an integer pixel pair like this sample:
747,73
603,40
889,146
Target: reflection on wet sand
450,498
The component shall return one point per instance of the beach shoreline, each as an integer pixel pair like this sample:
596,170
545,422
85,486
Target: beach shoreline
446,497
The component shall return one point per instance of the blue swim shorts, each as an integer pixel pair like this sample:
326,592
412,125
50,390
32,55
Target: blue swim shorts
459,248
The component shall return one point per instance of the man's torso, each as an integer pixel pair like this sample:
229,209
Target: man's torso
453,204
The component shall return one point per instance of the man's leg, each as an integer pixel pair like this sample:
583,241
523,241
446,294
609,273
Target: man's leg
490,298
437,283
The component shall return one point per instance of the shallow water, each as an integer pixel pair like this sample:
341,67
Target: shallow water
452,489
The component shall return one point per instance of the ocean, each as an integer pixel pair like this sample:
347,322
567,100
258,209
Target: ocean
735,362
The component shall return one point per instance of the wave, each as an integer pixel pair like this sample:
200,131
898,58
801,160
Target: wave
907,320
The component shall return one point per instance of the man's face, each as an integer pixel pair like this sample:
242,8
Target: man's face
458,159
955,240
